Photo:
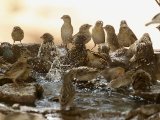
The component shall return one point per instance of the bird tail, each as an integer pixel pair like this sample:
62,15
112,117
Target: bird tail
148,23
94,46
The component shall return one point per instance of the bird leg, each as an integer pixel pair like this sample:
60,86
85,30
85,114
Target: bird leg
94,46
21,44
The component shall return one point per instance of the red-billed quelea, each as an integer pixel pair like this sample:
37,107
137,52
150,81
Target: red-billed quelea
126,37
98,34
66,30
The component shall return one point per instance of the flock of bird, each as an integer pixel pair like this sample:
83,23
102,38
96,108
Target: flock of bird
125,38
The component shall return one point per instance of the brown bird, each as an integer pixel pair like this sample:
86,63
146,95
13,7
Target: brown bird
66,30
17,34
67,92
141,81
112,39
19,71
84,30
155,19
47,47
47,38
126,37
98,34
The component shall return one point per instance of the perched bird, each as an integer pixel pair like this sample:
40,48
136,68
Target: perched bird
77,56
112,73
66,30
84,30
47,38
19,71
155,19
126,37
17,34
122,81
96,60
47,48
98,34
141,80
67,92
112,39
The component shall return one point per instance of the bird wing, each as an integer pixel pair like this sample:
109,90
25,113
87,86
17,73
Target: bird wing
156,16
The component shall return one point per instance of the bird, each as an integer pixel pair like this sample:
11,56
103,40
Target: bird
112,73
84,30
66,30
77,56
141,80
47,38
67,92
98,34
47,47
155,19
17,34
19,71
112,39
126,37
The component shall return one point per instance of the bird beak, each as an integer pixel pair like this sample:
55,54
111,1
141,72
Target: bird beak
62,17
41,37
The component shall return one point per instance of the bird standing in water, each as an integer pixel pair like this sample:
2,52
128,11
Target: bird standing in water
66,30
67,92
17,34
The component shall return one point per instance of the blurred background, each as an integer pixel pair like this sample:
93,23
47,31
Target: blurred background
36,17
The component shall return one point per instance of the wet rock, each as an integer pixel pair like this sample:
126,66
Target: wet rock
143,56
143,112
24,94
22,116
33,48
120,58
153,95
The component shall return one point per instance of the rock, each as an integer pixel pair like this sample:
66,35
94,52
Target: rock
143,112
22,116
16,106
26,94
153,95
120,58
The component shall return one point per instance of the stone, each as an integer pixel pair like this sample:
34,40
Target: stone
24,94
